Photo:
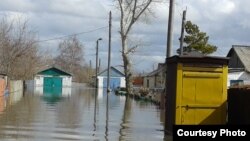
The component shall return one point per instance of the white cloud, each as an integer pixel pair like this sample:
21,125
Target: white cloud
225,21
17,5
225,6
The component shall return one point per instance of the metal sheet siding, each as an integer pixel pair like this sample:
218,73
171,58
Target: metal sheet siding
196,91
200,97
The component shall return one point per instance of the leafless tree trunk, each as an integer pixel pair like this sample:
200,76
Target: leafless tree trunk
18,49
70,58
130,12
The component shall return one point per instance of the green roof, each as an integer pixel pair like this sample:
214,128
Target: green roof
54,72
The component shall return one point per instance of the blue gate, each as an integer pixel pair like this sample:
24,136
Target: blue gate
114,83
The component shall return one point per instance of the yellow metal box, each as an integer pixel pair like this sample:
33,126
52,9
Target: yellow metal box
196,90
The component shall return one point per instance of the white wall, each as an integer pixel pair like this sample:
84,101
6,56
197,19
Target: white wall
38,80
16,91
38,90
67,81
100,81
246,77
239,76
123,82
16,85
151,82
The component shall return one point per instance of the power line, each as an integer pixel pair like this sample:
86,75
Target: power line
61,37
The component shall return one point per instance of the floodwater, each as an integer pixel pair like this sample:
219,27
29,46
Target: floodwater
81,114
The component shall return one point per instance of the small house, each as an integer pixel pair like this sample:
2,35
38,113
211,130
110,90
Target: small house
239,65
156,78
117,78
52,80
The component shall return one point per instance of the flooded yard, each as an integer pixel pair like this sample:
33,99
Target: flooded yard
81,114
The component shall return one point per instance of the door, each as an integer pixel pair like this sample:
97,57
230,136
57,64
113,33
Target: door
202,98
114,83
52,86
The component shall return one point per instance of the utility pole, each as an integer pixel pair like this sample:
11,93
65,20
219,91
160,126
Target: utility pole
96,69
168,53
170,28
99,67
109,53
90,70
90,64
182,31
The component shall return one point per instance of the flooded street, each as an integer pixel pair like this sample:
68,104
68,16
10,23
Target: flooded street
81,114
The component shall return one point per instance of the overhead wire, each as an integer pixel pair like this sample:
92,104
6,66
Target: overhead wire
70,35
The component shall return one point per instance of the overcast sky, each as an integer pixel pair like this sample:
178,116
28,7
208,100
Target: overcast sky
225,21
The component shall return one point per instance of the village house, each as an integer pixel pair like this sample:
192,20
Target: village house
117,78
239,65
52,80
156,78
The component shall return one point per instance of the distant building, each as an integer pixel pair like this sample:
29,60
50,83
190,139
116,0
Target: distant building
117,78
156,78
138,81
52,80
239,65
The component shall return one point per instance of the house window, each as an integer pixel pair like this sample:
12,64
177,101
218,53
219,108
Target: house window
236,82
147,82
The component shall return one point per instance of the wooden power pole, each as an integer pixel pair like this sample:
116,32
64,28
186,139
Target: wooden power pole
170,28
169,47
182,31
109,53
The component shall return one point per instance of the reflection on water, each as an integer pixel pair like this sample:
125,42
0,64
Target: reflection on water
82,114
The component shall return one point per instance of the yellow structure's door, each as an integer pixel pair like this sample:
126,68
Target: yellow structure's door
201,98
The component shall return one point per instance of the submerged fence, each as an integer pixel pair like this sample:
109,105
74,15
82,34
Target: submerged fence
16,85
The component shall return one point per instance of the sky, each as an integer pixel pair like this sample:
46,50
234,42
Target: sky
226,22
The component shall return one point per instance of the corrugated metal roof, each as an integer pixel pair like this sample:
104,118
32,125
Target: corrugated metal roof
243,53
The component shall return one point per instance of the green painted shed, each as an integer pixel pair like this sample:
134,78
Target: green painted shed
52,80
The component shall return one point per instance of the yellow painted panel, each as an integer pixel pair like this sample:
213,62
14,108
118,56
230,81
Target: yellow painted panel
188,116
178,95
201,75
202,97
208,116
187,97
203,69
209,90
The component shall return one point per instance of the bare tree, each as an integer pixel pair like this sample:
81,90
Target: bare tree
130,12
70,56
18,49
